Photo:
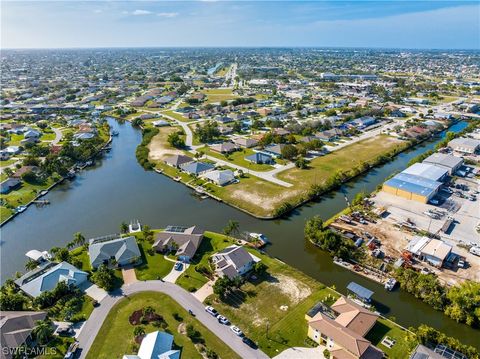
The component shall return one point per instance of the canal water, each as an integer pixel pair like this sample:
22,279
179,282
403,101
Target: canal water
118,189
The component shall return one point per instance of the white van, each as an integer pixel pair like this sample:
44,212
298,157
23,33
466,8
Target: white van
475,250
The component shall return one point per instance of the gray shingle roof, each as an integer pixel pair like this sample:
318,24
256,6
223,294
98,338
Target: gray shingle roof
124,250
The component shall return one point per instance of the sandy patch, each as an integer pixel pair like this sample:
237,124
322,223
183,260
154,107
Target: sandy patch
295,290
262,200
159,147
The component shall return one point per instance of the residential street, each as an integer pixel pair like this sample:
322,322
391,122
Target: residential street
182,297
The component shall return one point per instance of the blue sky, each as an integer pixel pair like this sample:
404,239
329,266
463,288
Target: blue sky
394,24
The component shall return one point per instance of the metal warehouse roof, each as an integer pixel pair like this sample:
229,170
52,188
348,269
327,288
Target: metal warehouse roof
442,159
426,170
414,184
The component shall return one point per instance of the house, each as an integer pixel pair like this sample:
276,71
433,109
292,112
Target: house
178,160
245,142
123,251
47,276
275,150
225,147
280,132
197,168
260,158
233,261
156,345
24,169
342,329
220,178
84,136
184,240
465,145
223,119
9,184
160,123
32,134
16,329
363,122
423,352
329,135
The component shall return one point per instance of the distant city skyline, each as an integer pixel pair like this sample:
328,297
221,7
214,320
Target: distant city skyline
377,24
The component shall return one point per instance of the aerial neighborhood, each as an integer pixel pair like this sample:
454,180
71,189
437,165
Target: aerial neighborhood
291,203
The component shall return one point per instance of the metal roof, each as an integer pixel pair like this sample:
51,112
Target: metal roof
426,170
360,291
414,184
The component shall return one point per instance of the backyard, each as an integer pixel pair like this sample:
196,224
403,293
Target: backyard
116,337
238,158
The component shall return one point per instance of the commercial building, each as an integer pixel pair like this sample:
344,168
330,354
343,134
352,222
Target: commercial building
427,170
430,250
412,187
465,145
449,162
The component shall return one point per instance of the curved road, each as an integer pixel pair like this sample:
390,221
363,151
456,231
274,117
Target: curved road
182,297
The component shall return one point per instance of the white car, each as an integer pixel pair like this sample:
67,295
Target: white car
236,330
211,311
223,320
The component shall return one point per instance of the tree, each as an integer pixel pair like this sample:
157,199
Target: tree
43,331
232,228
62,255
31,265
301,163
137,122
326,354
260,268
464,300
124,227
139,331
222,287
289,152
79,239
175,140
104,277
12,301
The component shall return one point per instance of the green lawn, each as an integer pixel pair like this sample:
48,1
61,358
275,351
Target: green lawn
7,162
115,338
238,158
81,254
212,242
176,115
277,301
383,328
153,267
57,348
50,136
219,95
25,193
15,139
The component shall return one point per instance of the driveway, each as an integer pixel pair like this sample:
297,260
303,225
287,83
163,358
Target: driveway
302,353
129,275
182,297
94,291
174,274
206,290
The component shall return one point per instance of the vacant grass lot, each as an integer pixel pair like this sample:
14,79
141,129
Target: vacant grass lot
277,303
219,95
116,338
238,158
176,115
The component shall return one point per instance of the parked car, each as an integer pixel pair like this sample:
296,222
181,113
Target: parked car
236,330
223,320
249,342
178,266
211,311
475,251
95,303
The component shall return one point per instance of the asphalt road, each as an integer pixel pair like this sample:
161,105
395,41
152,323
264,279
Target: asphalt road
182,297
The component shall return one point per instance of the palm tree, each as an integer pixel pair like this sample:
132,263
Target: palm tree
70,245
124,227
79,239
232,228
43,331
31,264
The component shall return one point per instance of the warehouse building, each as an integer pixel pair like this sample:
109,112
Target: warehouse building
429,171
465,145
412,187
430,250
449,162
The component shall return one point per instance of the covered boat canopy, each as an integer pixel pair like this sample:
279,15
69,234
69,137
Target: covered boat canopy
361,292
35,255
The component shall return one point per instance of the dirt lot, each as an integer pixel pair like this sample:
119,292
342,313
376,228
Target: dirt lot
159,146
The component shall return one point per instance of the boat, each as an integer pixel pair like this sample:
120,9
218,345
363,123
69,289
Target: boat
114,133
89,163
199,190
43,193
20,209
259,236
71,174
177,179
390,284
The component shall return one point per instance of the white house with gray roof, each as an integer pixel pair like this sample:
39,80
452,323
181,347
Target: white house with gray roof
46,277
233,261
123,251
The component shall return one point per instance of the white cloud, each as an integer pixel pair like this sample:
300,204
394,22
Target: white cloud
141,12
167,14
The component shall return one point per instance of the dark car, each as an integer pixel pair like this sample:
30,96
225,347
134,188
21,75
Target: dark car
249,342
